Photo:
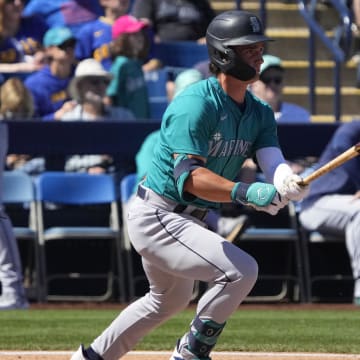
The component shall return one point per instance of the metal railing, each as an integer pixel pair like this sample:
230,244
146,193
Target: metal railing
339,53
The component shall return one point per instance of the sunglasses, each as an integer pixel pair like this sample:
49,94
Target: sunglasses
14,2
277,80
98,81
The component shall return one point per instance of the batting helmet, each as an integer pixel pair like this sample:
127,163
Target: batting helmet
232,28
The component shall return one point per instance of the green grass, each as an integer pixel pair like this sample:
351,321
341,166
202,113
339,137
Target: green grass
291,330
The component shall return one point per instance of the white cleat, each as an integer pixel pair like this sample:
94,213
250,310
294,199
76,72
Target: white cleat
185,354
79,354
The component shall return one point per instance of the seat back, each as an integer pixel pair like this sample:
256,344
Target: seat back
156,85
19,201
184,54
75,188
18,188
85,212
127,187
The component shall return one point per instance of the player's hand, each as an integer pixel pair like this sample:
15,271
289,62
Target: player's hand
292,190
278,202
260,196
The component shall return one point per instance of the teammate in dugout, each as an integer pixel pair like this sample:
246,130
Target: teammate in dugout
206,134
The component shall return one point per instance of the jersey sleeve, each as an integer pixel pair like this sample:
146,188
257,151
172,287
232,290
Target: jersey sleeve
187,124
117,70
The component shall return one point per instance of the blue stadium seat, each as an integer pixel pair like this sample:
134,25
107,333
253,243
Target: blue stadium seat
75,196
156,85
19,202
183,54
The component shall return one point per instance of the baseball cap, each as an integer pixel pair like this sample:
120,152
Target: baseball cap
270,61
127,24
186,78
57,36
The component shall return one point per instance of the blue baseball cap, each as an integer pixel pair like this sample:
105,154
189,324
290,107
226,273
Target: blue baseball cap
57,36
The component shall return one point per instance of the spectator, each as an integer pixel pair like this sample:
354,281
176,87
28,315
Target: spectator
175,20
87,89
182,80
130,47
12,290
270,89
49,84
93,40
17,104
72,14
333,204
20,40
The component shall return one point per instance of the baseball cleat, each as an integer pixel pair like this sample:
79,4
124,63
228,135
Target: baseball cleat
185,353
79,354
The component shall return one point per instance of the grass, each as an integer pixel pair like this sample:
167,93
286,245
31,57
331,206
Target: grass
335,331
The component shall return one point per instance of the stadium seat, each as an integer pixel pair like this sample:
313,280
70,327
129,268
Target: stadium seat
156,85
80,236
282,275
327,268
19,202
181,54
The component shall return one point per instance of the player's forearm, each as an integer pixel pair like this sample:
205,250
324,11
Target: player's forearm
209,186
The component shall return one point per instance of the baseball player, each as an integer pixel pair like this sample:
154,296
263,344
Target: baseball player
206,134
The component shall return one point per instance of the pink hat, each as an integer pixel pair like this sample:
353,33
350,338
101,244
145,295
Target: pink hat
127,24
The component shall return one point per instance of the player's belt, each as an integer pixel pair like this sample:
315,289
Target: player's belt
149,195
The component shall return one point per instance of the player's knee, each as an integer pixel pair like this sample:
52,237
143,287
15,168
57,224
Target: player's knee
250,271
245,273
173,300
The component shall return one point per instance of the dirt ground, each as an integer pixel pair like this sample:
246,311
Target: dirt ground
165,356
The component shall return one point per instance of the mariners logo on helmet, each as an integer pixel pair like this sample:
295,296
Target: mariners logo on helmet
254,21
233,28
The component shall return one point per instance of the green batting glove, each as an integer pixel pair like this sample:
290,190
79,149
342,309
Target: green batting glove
258,193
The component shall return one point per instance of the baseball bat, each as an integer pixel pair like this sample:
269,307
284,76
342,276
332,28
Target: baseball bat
332,164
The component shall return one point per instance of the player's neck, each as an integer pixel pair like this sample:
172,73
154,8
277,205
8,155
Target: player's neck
235,88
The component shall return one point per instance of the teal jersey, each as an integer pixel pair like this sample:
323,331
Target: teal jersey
203,120
128,87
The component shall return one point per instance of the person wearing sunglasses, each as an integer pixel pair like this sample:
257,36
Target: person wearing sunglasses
87,90
49,84
270,89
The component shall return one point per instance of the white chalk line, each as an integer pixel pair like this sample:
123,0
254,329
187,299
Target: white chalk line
219,353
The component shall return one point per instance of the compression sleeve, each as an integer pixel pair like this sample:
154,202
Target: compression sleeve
273,165
183,166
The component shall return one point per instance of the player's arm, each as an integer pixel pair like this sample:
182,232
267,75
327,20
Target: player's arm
192,178
207,185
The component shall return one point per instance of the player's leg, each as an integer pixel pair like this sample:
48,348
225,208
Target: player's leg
231,274
338,214
13,293
168,295
353,247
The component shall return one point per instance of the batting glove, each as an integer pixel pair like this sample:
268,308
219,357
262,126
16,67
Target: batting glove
291,188
260,196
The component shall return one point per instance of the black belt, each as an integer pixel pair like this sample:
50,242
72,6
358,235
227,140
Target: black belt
179,208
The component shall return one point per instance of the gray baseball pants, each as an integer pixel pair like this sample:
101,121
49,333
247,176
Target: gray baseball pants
176,250
338,215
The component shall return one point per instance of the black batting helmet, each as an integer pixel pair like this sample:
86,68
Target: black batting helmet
233,28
